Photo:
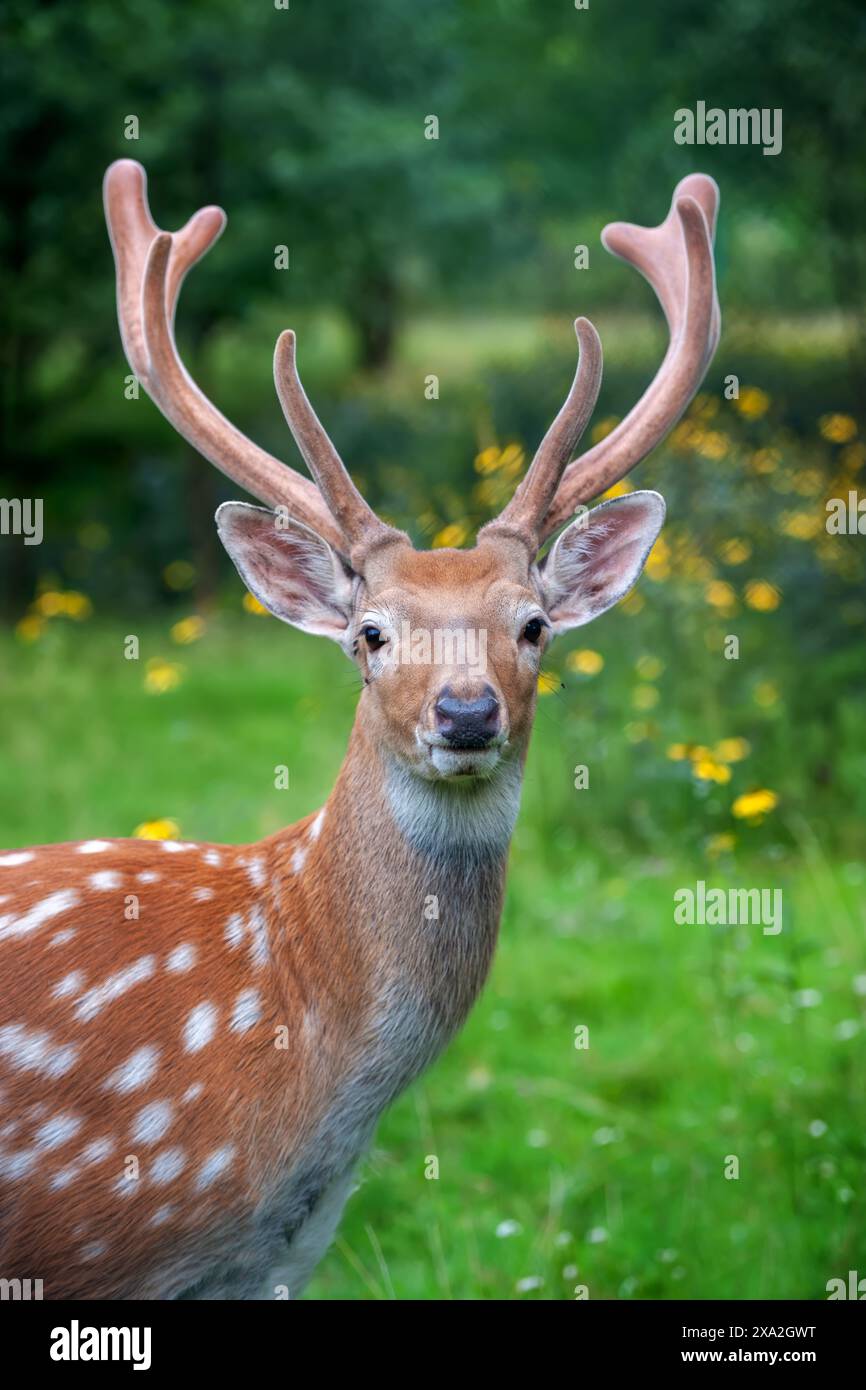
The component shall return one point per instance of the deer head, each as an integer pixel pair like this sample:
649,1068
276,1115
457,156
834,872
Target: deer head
448,642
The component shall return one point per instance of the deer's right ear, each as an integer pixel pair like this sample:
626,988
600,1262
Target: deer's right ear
289,568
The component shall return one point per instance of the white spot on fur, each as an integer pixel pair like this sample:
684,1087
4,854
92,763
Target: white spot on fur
108,878
96,1151
17,1165
10,861
258,930
212,857
39,914
203,895
94,846
148,876
193,1092
151,1123
181,958
136,1071
126,1185
64,1176
70,984
234,931
57,1131
199,1027
60,938
167,1166
94,1250
33,1051
247,1010
256,873
299,859
176,846
161,1215
215,1164
316,827
92,1003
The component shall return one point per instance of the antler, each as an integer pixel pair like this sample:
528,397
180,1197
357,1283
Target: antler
356,518
677,260
151,265
524,514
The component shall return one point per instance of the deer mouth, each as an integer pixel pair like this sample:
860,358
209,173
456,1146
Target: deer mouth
445,758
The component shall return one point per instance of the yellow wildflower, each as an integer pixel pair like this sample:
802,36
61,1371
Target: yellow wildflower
620,489
585,661
709,769
488,460
721,595
732,750
753,806
451,535
803,526
839,429
188,630
762,596
735,551
252,605
162,829
548,682
720,844
658,565
30,628
752,402
162,676
766,460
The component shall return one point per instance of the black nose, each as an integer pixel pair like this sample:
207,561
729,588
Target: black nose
467,723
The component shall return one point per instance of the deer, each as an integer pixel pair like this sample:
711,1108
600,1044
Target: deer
186,1098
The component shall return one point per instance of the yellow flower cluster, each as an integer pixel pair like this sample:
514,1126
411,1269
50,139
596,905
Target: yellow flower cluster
53,603
711,764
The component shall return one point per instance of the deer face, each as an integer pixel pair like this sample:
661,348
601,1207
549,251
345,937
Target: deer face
449,643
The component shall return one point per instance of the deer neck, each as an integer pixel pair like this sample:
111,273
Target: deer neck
422,867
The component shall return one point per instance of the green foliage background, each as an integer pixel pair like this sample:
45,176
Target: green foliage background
454,257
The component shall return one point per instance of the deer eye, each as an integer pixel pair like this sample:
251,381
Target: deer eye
533,630
373,637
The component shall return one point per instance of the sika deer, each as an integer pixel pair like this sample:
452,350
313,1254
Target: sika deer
185,1098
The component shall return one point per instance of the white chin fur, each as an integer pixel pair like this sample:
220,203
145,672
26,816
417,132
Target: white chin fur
450,762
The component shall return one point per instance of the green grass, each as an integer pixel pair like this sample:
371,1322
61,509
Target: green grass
703,1042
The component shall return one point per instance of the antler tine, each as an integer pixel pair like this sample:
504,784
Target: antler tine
362,527
524,514
677,259
151,266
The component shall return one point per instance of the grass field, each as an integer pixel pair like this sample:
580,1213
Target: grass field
560,1167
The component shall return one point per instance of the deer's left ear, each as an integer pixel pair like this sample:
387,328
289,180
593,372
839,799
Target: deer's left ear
598,558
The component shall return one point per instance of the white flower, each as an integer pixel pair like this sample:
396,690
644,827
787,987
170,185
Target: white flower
508,1228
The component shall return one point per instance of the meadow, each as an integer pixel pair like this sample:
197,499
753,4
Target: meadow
636,1109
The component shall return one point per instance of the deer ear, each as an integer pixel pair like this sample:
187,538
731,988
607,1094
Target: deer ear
289,568
598,558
